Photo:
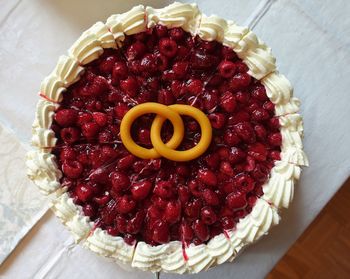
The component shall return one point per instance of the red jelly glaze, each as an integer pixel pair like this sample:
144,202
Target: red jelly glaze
158,200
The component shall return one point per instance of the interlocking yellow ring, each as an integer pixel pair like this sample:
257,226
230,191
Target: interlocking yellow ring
166,150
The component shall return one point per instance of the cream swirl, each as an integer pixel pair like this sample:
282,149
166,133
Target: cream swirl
212,28
155,258
80,226
294,155
279,190
86,49
43,138
199,258
44,114
103,35
109,246
52,87
131,22
221,249
233,34
42,169
174,261
291,130
257,223
256,55
278,88
280,92
290,107
91,43
67,70
186,16
64,208
147,257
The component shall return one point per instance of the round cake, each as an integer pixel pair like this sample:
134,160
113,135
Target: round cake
166,139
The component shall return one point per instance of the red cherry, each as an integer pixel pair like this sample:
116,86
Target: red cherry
245,131
112,231
211,100
140,190
70,135
259,93
136,50
120,71
208,177
164,189
208,215
161,232
103,200
258,151
210,197
167,47
201,230
275,155
120,110
126,162
84,117
134,225
100,118
84,192
183,170
161,30
176,34
275,139
228,102
240,81
260,131
227,223
67,153
260,114
121,223
180,69
186,232
172,212
194,86
183,193
212,160
217,120
165,97
89,210
125,204
66,117
225,167
107,64
99,175
192,209
129,86
90,129
227,69
120,181
72,169
228,53
231,138
236,200
244,182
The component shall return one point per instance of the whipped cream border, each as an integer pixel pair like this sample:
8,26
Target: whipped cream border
278,190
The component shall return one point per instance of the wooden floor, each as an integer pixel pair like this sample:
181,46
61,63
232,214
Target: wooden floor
323,250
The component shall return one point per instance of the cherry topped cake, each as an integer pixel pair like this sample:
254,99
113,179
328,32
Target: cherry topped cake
166,139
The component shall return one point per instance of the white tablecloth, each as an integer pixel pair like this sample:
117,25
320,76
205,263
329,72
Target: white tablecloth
311,40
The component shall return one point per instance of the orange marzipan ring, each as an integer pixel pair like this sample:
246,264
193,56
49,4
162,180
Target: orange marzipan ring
167,150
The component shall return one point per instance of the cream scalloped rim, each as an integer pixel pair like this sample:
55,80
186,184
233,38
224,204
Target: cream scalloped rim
278,190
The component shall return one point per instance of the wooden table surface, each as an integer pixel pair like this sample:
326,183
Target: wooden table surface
323,250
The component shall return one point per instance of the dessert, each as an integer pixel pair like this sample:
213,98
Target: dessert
157,212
